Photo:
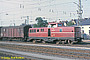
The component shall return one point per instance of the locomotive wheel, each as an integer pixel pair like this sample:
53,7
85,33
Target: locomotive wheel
70,42
34,41
66,41
58,42
21,39
63,42
43,42
10,39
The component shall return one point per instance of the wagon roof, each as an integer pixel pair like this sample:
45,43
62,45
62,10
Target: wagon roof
16,26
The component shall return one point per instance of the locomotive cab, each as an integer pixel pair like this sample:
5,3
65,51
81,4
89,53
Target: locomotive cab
53,24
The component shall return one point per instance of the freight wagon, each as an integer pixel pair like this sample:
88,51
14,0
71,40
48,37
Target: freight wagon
14,32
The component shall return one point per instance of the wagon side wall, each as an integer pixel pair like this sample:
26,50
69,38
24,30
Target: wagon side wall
12,32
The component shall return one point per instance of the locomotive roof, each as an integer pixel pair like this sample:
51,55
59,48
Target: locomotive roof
53,27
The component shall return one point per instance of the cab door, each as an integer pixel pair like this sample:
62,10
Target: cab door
49,33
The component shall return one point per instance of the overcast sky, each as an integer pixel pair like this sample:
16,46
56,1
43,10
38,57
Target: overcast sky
15,11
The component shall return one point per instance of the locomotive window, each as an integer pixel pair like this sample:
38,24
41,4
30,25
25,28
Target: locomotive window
42,30
30,31
34,30
60,30
37,30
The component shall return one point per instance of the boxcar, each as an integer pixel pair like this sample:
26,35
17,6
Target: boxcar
57,35
15,32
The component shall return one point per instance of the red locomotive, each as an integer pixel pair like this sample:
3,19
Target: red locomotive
55,33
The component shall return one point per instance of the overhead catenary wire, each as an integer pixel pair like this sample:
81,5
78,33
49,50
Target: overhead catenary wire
40,6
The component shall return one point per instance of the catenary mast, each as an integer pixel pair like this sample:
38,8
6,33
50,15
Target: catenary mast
79,12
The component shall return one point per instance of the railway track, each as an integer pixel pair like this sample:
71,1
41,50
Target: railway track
82,54
82,44
13,56
10,56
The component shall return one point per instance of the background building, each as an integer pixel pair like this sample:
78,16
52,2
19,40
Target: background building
85,30
85,27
